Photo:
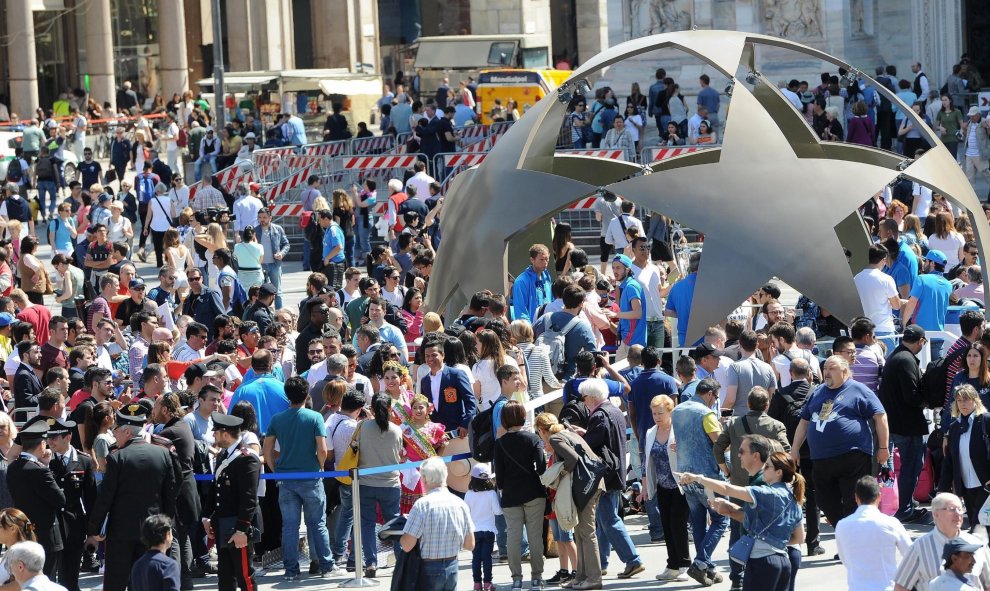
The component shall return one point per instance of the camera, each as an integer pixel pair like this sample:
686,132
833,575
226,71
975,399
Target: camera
219,215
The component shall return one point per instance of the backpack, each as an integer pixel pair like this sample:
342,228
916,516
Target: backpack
145,187
933,383
481,433
18,209
792,412
14,171
556,341
44,169
238,296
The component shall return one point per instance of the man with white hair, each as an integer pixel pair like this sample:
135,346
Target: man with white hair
441,523
24,561
845,414
923,561
606,435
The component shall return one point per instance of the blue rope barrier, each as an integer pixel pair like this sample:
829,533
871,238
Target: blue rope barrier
339,473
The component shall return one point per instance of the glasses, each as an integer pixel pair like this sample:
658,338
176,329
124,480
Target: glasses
846,352
316,352
396,277
275,350
956,510
195,278
138,288
643,248
253,329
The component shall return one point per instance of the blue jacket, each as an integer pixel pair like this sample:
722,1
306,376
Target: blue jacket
653,101
279,242
529,292
457,404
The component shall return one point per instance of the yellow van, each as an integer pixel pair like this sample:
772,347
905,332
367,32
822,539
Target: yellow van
524,86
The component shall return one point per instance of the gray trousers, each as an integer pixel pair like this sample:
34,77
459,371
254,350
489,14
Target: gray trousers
530,514
589,567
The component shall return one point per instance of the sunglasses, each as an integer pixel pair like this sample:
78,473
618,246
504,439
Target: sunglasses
316,352
194,278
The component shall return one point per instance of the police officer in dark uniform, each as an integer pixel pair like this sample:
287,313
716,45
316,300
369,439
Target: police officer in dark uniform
34,490
75,474
234,521
261,310
140,481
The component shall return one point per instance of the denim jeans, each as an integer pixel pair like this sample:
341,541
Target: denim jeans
653,514
735,532
210,161
438,576
307,248
706,536
373,498
654,333
345,519
481,556
303,497
912,448
50,188
612,532
274,272
770,573
362,242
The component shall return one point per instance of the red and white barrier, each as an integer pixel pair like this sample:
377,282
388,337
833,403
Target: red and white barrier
372,145
463,159
291,182
608,154
326,148
366,162
660,153
297,161
287,209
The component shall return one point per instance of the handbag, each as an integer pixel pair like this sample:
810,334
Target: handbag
586,477
740,551
351,457
889,497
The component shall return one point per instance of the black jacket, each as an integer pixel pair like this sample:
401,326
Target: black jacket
607,427
163,171
899,393
798,391
27,386
139,482
35,491
236,492
187,504
78,481
978,452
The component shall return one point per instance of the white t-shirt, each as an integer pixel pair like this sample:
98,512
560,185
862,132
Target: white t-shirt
484,507
421,181
484,371
649,276
616,236
922,200
949,246
875,290
162,205
246,209
783,365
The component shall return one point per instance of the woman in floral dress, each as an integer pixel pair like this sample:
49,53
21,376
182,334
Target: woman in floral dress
424,439
393,378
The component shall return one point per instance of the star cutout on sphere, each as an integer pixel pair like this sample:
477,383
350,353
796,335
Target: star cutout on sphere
764,210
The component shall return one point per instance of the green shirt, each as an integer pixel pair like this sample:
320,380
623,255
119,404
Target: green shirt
951,121
296,430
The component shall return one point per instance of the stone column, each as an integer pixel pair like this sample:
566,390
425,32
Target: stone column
174,64
330,44
99,53
592,28
23,60
239,33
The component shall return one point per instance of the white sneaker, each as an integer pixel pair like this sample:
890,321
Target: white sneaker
670,574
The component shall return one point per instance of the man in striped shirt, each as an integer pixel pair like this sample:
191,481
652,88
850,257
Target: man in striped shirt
923,561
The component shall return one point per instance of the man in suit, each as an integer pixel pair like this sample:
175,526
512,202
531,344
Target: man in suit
27,386
442,90
234,516
453,398
75,475
899,394
785,406
34,490
163,170
139,482
429,140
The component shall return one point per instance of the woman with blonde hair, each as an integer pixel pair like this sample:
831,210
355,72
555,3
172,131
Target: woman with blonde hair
966,466
321,203
947,239
138,151
212,241
432,323
912,231
178,257
8,431
564,445
333,394
546,425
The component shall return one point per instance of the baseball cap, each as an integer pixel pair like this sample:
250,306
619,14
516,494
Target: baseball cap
974,110
267,289
958,545
936,256
197,370
249,135
626,261
483,471
913,333
104,197
136,283
6,319
706,349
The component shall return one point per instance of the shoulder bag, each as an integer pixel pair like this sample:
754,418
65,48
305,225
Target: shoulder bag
586,478
351,457
740,551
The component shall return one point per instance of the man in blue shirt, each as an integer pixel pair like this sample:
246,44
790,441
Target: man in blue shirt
266,394
709,98
334,260
680,297
302,439
929,298
839,421
632,306
579,336
902,263
532,287
588,365
653,100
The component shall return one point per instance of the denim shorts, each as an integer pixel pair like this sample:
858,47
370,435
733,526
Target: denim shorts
560,534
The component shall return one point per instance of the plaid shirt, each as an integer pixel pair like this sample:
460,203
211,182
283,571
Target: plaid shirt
207,197
440,521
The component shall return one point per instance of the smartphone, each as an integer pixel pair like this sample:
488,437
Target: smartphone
360,387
